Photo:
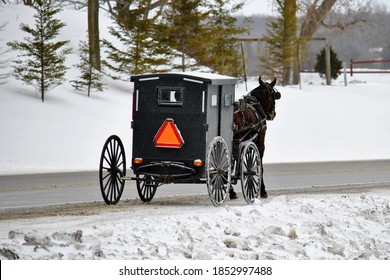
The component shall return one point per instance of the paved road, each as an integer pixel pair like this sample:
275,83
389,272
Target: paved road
24,191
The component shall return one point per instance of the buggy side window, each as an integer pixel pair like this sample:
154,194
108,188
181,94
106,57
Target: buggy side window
170,96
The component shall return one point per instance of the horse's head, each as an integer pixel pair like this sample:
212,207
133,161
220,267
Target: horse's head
266,94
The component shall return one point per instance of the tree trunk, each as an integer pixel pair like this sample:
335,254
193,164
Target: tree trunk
314,17
311,23
290,38
93,33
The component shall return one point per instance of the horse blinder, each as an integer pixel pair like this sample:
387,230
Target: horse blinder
277,94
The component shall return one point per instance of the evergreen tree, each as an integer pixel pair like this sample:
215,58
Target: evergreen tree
90,77
281,41
335,64
141,50
43,64
223,54
184,32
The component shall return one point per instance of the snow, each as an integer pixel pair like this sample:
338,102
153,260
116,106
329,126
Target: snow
308,227
67,132
315,123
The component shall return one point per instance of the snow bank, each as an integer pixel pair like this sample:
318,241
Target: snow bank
308,227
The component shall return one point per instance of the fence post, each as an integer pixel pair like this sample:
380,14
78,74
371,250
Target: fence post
345,73
327,65
243,64
351,67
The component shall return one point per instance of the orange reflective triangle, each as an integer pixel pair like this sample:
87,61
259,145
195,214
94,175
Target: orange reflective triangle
168,136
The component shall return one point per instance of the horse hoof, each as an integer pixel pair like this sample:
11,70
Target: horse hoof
263,195
232,195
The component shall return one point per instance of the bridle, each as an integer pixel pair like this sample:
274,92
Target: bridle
274,93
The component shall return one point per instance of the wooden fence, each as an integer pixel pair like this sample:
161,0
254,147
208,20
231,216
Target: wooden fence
352,63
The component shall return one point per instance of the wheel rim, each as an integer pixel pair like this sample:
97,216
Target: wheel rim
112,168
146,188
218,171
250,172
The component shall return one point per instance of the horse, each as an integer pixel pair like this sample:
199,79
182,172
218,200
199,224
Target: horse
250,120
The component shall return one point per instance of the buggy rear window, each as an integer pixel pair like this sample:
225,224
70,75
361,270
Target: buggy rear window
170,96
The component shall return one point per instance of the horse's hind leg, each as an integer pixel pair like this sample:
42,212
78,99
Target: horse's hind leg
263,192
232,193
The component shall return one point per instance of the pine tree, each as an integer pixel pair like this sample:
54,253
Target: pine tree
184,32
43,64
90,77
281,41
223,49
335,63
140,51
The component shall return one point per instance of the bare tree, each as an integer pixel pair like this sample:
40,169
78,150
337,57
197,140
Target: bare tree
3,63
317,13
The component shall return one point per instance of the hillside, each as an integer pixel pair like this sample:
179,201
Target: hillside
66,133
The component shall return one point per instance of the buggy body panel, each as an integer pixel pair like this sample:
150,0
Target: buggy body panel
201,107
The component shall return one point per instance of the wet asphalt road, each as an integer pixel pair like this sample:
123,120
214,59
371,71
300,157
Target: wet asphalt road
35,190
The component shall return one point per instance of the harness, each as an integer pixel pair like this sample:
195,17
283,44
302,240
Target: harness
251,103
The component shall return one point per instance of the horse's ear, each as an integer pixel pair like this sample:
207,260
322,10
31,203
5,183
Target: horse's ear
261,81
273,83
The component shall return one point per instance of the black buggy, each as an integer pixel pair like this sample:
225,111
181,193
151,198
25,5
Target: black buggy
182,133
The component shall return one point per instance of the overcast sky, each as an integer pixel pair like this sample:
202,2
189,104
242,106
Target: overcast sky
265,6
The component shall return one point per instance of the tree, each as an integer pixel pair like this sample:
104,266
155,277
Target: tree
121,10
90,77
317,11
43,64
3,63
141,49
222,48
335,63
184,31
282,41
93,33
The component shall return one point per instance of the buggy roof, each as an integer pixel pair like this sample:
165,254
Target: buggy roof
213,79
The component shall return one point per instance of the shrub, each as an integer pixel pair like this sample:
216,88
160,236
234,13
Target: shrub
335,64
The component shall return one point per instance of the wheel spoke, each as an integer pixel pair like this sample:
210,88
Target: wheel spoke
108,182
108,174
107,160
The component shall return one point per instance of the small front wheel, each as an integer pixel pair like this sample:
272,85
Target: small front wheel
112,168
251,172
218,171
146,188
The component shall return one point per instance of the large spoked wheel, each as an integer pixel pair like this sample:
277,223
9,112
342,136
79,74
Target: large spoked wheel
251,172
146,188
218,171
112,168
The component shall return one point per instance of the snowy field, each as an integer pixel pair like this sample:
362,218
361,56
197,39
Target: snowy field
315,123
67,132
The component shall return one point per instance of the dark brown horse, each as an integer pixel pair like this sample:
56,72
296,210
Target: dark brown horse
250,119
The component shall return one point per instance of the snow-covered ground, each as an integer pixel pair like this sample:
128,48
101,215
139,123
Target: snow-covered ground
67,132
307,227
315,123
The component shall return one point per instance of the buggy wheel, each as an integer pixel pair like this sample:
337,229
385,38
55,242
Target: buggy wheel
218,171
146,188
112,168
251,172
